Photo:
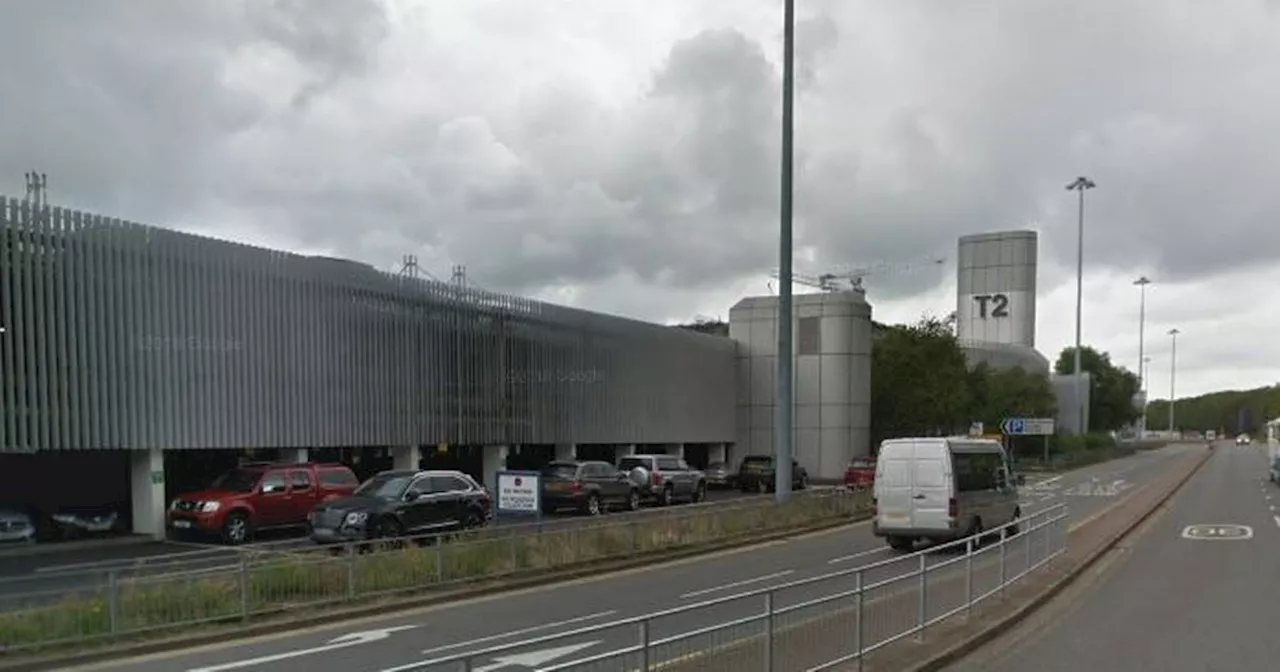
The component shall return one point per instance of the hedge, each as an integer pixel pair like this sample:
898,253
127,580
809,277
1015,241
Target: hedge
275,583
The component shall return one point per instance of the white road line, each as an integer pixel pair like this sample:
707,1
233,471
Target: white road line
505,635
1046,481
855,556
738,584
1277,519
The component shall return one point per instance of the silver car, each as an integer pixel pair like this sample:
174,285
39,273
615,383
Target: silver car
16,527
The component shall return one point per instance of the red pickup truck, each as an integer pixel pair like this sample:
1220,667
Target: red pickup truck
259,496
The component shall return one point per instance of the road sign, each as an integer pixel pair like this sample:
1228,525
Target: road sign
519,492
1027,426
1217,532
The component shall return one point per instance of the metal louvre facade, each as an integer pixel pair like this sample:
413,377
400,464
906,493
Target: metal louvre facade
123,336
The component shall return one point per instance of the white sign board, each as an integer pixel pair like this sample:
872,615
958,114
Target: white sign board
519,492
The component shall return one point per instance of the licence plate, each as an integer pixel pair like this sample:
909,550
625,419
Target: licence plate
182,524
557,487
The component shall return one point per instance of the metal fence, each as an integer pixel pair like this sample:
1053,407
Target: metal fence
828,621
59,608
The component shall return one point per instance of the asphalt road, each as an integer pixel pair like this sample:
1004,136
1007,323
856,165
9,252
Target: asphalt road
409,638
1166,602
40,578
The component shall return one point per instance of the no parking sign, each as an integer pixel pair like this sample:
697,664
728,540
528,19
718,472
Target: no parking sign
519,492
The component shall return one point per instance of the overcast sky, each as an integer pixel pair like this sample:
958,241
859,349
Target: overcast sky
622,155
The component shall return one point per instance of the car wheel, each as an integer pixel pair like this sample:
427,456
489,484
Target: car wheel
761,486
803,483
633,500
593,505
235,530
388,533
700,493
668,496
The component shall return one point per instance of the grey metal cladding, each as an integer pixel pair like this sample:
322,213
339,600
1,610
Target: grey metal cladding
119,335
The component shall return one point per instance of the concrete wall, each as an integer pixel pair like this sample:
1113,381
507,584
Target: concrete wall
1004,356
120,335
996,296
832,378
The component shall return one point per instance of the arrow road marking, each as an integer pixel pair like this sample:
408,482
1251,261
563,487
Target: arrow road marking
340,642
533,659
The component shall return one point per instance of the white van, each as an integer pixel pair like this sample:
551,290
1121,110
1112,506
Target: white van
941,489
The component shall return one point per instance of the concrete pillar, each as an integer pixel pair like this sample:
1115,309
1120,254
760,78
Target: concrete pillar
676,449
146,482
405,457
626,449
495,460
566,452
717,452
298,455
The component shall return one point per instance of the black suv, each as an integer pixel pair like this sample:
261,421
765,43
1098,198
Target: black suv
757,474
402,502
589,487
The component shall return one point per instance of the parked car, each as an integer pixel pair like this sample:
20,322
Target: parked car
861,473
259,496
1275,470
757,474
719,476
17,526
403,502
665,479
587,486
77,522
941,489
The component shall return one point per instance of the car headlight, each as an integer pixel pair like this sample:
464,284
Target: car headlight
209,507
356,518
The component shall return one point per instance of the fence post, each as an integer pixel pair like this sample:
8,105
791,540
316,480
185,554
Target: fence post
644,645
768,631
350,552
113,601
1004,547
244,586
968,576
858,630
924,595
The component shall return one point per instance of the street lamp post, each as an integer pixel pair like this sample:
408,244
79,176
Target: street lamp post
1173,374
1142,283
1081,184
784,412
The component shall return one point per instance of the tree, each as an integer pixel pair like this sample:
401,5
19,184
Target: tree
1234,411
1114,387
996,394
918,381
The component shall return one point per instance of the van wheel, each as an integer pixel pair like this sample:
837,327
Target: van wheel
904,544
1012,529
976,532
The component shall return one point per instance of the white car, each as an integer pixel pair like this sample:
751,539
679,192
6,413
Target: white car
1243,440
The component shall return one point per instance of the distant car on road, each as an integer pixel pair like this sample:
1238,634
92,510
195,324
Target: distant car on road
1243,440
259,496
669,479
861,473
587,486
403,502
16,524
757,474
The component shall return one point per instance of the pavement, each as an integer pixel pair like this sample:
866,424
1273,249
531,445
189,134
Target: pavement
400,642
27,579
1167,602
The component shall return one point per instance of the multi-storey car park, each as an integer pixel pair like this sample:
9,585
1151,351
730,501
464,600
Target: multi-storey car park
127,350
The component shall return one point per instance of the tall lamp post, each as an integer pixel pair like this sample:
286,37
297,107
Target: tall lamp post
1081,184
1142,283
1173,374
784,411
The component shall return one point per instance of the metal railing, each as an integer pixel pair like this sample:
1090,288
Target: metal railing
818,623
128,601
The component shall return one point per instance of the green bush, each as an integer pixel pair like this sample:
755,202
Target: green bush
278,582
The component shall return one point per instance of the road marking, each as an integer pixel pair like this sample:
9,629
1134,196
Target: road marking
738,584
855,556
1217,532
508,635
1047,481
340,642
535,659
1277,519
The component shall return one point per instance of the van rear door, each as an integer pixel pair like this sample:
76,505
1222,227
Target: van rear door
931,485
892,485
